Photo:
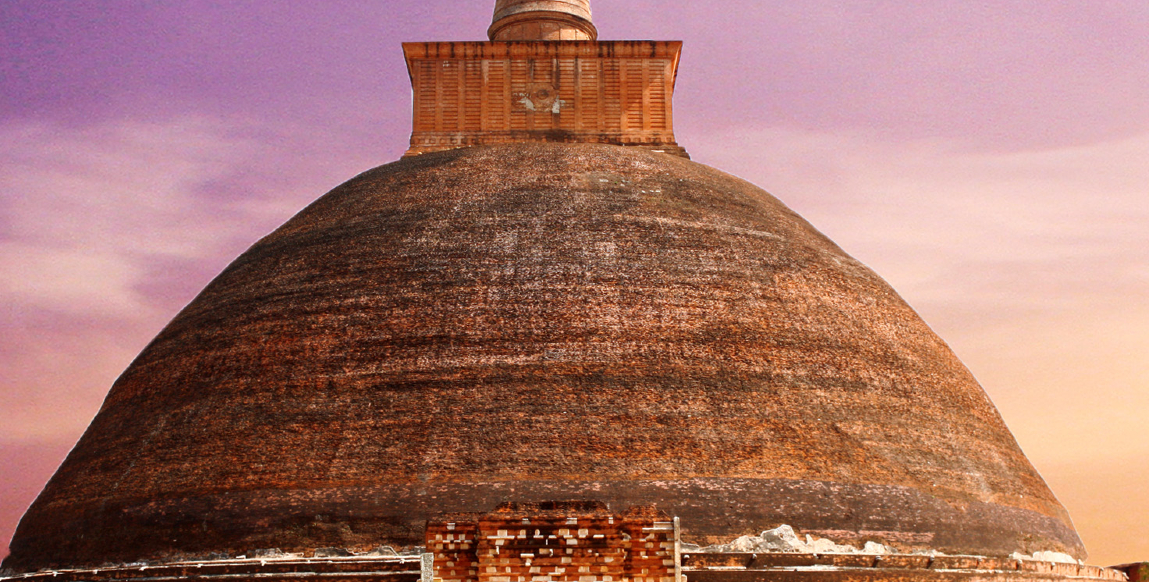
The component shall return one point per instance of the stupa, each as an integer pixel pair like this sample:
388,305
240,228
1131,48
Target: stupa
545,301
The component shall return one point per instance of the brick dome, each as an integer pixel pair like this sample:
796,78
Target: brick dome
540,322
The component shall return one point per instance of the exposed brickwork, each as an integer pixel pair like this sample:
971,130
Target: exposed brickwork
565,542
553,83
476,93
540,321
530,321
1136,572
454,542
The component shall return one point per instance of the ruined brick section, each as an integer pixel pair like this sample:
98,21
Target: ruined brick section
1135,572
555,542
454,545
476,93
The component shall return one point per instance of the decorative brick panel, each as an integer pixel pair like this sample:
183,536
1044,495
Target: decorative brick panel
476,93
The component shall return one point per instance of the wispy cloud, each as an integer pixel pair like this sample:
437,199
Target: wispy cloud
928,215
105,231
1030,263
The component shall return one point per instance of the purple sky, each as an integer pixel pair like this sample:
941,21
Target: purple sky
989,159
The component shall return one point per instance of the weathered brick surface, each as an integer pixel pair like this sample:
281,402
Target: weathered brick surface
454,543
540,321
733,567
357,569
541,86
1136,572
881,575
781,567
564,542
542,20
481,93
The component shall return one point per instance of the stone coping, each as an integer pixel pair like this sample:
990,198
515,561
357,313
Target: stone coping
393,568
696,566
766,561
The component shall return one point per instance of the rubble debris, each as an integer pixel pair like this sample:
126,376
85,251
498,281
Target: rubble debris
783,539
332,553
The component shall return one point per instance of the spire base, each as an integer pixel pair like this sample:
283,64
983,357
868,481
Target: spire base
529,26
524,20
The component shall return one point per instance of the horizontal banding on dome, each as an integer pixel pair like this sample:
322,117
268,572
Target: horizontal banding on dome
540,322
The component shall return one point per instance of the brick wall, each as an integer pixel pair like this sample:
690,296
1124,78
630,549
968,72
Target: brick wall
1136,572
554,542
453,545
478,93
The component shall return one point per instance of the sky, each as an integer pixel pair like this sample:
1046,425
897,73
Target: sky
990,159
